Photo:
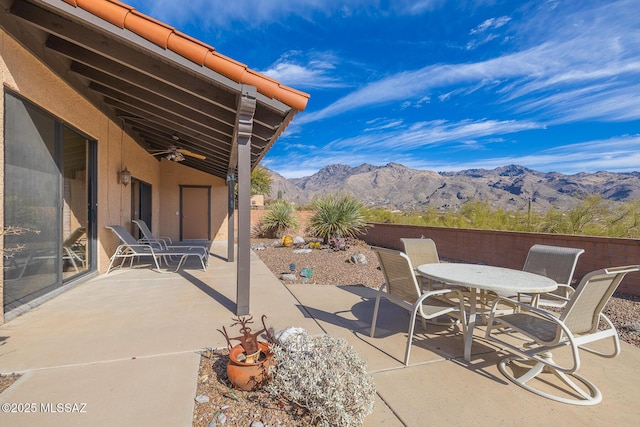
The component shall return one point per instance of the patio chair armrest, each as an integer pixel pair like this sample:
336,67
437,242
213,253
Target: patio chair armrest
544,314
525,307
142,246
429,294
552,296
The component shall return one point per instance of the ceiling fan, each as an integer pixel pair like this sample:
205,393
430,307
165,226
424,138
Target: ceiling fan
176,154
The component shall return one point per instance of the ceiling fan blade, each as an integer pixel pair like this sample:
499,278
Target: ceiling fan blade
191,154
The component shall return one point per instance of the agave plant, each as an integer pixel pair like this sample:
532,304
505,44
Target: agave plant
280,218
337,217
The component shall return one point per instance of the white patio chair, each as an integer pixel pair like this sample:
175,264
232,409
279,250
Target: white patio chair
131,249
421,251
424,251
557,263
401,288
541,332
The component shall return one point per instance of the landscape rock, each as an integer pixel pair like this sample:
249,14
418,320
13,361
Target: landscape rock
288,277
222,418
302,251
358,259
201,398
287,336
298,240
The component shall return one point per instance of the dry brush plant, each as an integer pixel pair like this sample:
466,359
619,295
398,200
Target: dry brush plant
325,376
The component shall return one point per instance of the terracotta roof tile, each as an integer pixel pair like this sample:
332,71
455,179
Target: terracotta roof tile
191,48
150,29
125,16
224,65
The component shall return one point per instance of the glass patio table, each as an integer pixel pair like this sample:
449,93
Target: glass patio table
479,277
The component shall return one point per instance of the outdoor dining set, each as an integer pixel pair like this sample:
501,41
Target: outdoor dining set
528,313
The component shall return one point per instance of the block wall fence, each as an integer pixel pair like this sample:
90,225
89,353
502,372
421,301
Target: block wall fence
509,249
503,248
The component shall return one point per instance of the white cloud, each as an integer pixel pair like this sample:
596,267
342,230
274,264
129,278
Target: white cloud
307,71
618,154
424,134
383,125
490,24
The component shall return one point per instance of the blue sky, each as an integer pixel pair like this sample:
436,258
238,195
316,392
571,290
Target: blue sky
436,84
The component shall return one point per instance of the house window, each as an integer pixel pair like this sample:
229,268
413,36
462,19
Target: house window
49,202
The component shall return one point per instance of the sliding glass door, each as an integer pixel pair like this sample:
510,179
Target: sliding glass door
49,202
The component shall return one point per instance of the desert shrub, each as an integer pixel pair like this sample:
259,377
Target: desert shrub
337,217
624,221
325,376
280,218
377,214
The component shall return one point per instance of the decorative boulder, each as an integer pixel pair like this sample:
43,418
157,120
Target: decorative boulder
291,337
298,240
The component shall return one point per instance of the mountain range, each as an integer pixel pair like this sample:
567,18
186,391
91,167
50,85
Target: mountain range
511,187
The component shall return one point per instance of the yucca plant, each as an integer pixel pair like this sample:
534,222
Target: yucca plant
337,217
280,218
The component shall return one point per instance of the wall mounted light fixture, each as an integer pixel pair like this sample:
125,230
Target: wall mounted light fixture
124,176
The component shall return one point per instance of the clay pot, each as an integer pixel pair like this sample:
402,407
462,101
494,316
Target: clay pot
249,376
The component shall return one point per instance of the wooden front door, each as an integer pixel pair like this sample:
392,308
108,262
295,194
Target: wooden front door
195,209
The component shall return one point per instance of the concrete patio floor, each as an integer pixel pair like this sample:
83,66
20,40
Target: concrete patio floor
127,345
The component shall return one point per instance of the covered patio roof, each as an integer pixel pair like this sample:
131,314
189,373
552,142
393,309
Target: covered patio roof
165,88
